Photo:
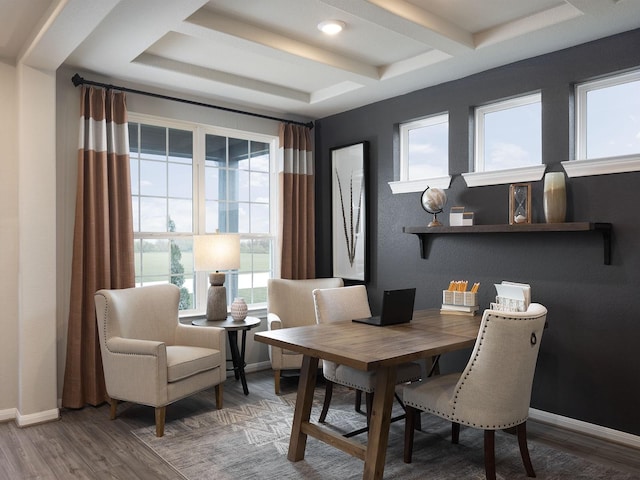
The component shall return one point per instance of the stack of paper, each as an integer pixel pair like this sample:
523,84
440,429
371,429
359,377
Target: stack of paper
512,296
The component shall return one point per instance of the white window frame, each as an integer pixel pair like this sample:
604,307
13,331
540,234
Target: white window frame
583,166
199,131
479,177
405,184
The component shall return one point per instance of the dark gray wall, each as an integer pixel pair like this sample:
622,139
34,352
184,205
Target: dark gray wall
588,368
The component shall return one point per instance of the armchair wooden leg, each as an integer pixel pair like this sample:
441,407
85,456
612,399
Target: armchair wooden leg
112,410
489,454
409,428
455,432
524,450
276,381
358,405
219,390
160,415
328,392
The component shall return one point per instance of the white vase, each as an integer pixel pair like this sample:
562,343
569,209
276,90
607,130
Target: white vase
555,197
239,309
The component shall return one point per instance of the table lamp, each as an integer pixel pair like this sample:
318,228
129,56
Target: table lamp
220,251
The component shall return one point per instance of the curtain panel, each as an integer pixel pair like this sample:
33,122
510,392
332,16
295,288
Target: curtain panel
103,237
297,203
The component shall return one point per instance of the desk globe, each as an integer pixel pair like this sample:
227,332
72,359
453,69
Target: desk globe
432,201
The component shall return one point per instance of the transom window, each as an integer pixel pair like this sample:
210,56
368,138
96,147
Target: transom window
190,179
608,117
508,134
424,148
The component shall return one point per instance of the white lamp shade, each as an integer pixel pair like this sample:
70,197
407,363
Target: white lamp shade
220,251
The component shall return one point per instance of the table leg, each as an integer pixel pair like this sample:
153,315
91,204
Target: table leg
238,359
302,412
379,423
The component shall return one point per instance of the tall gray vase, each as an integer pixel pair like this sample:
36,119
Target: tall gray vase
555,197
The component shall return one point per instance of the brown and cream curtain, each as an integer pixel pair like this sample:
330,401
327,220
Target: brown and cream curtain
103,237
297,211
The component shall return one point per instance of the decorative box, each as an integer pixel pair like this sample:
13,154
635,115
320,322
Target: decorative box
467,299
455,216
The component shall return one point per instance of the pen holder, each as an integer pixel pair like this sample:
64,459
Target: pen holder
467,299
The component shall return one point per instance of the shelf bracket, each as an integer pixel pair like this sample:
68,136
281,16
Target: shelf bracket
424,254
605,229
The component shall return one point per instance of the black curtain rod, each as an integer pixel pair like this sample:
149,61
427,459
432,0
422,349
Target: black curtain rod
78,80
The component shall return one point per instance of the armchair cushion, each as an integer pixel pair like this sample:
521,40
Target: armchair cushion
184,361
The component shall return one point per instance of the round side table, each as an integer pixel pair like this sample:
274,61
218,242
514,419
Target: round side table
232,328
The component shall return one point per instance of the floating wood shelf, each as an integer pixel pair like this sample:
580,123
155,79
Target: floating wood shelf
604,228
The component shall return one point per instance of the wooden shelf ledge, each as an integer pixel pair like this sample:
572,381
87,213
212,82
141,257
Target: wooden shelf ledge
604,228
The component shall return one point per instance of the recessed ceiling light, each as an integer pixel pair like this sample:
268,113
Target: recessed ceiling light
331,27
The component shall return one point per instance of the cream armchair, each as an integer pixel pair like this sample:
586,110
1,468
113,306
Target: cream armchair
290,304
148,356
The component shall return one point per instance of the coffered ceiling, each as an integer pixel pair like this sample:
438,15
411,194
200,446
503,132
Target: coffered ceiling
269,55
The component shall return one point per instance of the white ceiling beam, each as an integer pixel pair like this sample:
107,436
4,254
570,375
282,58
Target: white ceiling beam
217,76
106,47
64,26
404,18
206,26
411,64
528,24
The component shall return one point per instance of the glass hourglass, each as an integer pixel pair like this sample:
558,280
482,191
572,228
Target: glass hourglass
520,214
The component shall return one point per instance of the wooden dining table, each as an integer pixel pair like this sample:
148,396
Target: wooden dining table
369,348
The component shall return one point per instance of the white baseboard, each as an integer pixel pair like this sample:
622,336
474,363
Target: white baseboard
252,367
597,431
38,417
256,367
8,414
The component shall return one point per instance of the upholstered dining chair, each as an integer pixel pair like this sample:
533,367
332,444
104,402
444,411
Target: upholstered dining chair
290,304
494,390
345,304
148,356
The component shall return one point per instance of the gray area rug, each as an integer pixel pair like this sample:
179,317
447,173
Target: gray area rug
251,442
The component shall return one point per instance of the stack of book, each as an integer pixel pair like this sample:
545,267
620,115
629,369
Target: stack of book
459,309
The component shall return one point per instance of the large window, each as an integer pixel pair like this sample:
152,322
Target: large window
608,117
189,179
508,134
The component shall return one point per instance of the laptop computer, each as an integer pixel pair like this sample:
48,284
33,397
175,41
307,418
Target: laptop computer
397,307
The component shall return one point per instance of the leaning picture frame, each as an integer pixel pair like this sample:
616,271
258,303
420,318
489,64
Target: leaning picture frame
349,221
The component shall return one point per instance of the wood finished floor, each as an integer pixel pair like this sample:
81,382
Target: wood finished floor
85,444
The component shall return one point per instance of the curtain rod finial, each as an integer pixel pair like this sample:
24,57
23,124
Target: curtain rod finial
77,80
